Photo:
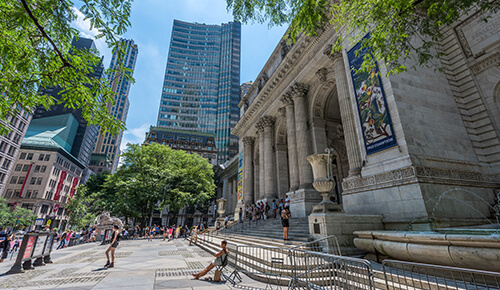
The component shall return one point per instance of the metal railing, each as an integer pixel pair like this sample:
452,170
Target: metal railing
314,270
269,264
407,275
328,245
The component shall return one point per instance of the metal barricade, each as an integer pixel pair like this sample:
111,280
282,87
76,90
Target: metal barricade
408,275
314,270
329,245
267,264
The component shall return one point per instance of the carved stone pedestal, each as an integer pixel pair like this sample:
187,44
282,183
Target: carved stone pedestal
302,201
342,225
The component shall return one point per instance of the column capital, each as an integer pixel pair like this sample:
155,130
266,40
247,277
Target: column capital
332,56
286,99
248,140
297,90
266,121
282,112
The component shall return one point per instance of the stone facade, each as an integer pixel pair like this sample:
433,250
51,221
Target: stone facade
445,167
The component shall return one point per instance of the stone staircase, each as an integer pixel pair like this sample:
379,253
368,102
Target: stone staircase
273,230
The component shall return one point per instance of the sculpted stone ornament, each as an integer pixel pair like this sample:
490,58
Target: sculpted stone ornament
248,140
321,74
266,121
332,56
323,181
296,90
105,219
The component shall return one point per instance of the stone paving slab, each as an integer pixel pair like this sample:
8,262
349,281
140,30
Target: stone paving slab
139,264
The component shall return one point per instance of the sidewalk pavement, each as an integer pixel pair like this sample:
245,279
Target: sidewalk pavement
139,264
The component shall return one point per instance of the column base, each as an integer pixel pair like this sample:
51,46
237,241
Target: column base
354,173
302,201
328,207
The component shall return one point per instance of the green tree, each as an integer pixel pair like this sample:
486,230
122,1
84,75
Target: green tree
156,174
35,51
9,217
399,29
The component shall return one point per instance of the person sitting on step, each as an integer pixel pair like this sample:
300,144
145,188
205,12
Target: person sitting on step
219,258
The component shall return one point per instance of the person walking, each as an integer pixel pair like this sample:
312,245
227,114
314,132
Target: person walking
5,246
62,240
285,216
114,243
274,207
219,260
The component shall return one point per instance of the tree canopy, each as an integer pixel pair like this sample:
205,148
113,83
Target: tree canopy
152,176
399,29
35,52
15,218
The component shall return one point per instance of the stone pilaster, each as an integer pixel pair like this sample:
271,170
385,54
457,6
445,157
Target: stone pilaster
347,115
298,92
248,182
292,142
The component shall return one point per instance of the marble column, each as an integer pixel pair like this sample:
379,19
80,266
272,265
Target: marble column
269,177
282,170
319,136
298,92
262,172
248,185
291,142
347,115
256,179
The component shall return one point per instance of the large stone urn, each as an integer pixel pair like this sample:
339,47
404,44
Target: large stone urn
221,207
323,181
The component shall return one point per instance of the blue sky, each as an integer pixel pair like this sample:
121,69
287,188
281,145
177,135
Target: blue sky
151,27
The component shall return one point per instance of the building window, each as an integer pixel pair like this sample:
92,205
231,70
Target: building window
3,146
22,156
16,139
21,180
30,156
49,195
6,163
12,150
18,167
2,177
13,180
28,194
33,180
39,181
35,193
16,192
47,157
25,168
44,209
43,168
40,157
8,194
37,168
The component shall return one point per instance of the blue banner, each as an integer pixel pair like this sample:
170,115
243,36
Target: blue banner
373,112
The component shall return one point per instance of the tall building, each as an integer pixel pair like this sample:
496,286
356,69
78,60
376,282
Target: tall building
10,143
106,143
84,141
201,89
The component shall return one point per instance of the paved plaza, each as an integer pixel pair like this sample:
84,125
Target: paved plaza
139,264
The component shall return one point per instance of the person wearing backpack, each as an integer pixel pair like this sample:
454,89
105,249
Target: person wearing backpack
112,247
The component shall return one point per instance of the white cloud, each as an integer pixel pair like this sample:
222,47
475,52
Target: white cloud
134,136
83,25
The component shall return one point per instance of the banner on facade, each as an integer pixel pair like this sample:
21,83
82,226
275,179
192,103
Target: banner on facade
371,102
240,176
25,180
60,185
73,187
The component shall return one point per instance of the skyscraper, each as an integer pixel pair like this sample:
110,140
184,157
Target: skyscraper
84,140
106,143
201,89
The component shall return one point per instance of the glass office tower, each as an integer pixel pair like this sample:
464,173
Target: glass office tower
201,89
